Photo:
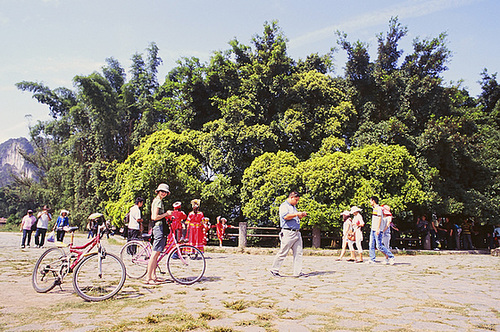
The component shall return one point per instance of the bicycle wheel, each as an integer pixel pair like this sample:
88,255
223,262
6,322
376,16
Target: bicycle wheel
135,256
186,264
99,276
49,270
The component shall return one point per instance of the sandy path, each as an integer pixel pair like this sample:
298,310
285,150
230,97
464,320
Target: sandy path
419,293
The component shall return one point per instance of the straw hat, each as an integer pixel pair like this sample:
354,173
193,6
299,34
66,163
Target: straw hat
163,187
195,202
176,205
355,209
345,213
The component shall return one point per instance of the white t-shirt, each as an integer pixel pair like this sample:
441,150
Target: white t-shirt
43,221
134,215
377,213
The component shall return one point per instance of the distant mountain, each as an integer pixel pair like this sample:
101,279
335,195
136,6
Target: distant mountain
12,162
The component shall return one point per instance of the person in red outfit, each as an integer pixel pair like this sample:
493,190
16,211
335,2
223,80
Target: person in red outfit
196,234
206,229
220,227
178,219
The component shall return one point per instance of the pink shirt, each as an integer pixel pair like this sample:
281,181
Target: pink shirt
28,222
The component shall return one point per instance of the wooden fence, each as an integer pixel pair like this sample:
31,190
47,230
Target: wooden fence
273,232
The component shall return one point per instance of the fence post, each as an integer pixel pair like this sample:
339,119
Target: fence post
242,235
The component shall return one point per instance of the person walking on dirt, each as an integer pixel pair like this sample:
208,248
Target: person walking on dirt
26,225
290,236
376,233
44,218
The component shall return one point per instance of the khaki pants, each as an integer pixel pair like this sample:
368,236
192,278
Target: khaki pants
289,240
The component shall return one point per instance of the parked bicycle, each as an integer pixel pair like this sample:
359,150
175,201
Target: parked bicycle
97,275
185,263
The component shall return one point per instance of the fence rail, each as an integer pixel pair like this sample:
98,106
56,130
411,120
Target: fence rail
273,232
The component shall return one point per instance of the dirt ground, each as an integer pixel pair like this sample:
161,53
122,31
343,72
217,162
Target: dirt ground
423,292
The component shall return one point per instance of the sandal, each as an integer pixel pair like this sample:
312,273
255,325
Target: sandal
361,261
151,282
351,260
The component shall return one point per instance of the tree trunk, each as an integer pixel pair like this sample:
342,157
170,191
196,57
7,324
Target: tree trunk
316,237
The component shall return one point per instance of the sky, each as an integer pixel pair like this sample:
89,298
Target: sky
52,41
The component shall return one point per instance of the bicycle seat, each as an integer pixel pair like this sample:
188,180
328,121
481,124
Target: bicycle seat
146,236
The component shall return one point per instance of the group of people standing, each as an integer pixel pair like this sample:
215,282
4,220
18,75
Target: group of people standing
40,225
291,239
191,228
380,233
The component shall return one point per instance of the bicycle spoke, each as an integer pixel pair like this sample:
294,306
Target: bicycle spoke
96,280
186,265
49,270
135,256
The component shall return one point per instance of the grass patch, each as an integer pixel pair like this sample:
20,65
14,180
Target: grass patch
210,315
222,329
237,305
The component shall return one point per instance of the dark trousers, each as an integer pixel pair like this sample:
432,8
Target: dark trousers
26,236
133,234
60,235
40,236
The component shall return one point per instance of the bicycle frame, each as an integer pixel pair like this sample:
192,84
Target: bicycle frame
171,244
96,241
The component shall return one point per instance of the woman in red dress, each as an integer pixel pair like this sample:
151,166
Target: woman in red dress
195,226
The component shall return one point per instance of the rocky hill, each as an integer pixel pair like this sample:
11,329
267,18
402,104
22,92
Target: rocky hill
12,162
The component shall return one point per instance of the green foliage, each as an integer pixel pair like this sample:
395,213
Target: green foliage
266,183
251,124
333,182
165,157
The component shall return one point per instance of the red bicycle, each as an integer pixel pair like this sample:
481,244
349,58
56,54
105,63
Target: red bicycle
185,263
97,275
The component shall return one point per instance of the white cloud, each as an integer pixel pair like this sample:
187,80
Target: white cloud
408,9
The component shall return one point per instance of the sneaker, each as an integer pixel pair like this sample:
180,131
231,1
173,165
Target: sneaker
392,261
22,247
371,262
275,273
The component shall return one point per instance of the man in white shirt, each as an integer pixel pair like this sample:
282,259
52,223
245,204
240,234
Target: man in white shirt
42,225
377,232
135,220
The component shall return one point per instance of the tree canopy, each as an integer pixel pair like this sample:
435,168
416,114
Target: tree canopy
244,128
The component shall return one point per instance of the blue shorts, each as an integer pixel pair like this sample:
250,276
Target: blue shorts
159,241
